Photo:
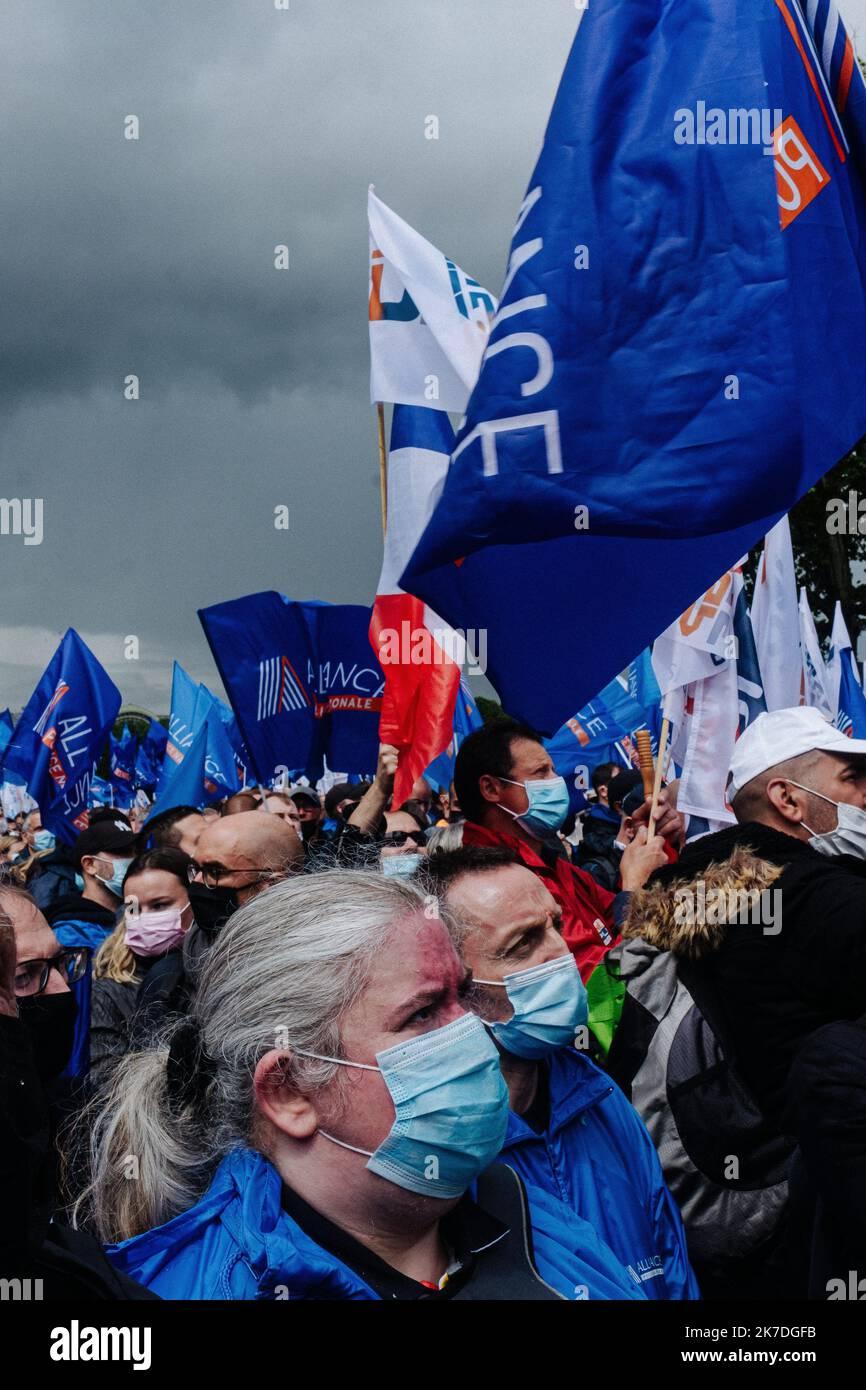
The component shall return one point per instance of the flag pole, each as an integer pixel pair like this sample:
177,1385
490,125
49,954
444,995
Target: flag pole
383,465
663,743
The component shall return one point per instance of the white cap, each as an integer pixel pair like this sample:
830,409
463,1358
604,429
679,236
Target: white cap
784,734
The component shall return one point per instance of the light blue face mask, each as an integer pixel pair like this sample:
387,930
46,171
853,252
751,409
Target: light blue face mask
548,804
43,839
451,1106
115,883
549,1003
400,865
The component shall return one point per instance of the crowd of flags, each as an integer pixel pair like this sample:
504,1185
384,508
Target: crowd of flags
674,359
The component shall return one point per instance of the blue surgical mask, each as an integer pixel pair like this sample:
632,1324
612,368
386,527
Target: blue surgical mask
548,804
451,1109
115,883
43,839
549,1003
400,865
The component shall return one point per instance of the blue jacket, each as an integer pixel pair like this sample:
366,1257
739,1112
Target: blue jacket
597,1157
238,1242
71,932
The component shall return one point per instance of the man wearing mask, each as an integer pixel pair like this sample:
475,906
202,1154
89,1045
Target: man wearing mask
102,854
37,1020
570,1132
237,857
512,798
46,868
795,960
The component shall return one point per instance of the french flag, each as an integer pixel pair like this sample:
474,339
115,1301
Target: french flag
420,655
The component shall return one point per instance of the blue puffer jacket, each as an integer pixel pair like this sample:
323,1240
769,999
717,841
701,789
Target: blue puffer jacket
597,1158
238,1242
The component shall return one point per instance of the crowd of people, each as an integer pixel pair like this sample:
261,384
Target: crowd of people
468,1046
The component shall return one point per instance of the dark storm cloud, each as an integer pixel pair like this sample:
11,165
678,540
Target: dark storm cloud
155,257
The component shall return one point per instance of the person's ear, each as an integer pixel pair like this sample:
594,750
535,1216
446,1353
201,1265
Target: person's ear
488,785
87,863
278,1099
785,799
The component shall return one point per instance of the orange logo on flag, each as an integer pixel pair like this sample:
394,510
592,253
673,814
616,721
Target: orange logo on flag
800,175
706,607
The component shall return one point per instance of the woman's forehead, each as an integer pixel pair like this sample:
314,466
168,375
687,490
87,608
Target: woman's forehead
418,954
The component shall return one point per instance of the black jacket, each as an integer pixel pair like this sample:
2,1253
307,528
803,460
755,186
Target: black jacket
69,1263
776,983
112,1006
827,1113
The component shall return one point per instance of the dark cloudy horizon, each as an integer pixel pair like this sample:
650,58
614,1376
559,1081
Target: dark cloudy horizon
155,257
258,127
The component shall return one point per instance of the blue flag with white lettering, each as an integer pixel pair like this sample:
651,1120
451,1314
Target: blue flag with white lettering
61,733
602,731
302,680
678,350
207,771
185,719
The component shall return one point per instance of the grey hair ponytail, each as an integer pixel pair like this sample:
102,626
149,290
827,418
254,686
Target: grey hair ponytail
281,973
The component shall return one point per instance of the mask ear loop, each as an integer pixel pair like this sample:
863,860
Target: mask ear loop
340,1062
822,797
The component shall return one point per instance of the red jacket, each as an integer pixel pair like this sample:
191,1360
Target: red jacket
588,927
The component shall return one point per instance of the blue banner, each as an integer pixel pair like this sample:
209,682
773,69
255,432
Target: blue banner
302,680
677,354
61,733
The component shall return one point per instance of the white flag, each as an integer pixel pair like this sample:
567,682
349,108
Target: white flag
815,680
840,643
429,321
775,620
695,665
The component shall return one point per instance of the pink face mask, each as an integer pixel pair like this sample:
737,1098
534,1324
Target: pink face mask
154,933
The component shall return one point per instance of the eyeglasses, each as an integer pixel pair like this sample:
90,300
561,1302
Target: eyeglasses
399,837
31,976
210,874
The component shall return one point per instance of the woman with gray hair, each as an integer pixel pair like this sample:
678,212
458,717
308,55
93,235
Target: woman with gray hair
314,1126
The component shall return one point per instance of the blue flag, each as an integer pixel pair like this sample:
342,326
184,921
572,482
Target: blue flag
677,354
121,761
207,771
602,731
7,724
303,682
184,721
151,752
440,773
62,730
851,718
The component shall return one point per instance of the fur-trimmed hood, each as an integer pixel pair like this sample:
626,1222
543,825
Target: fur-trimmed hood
689,915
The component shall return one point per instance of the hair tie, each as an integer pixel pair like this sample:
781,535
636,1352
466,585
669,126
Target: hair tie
189,1071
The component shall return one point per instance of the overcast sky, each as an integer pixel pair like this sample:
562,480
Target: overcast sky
155,257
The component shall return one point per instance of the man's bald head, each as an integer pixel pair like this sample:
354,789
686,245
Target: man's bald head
248,851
